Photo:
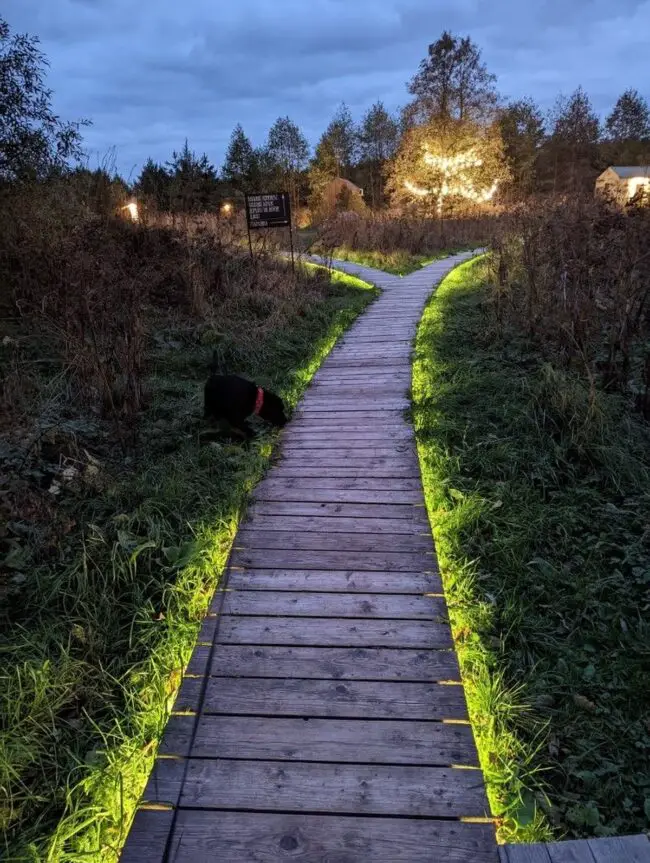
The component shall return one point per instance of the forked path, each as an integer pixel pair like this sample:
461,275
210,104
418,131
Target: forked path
322,718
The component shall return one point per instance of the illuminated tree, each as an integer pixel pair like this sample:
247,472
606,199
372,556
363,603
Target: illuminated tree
447,167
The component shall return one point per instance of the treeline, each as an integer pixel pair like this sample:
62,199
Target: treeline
454,101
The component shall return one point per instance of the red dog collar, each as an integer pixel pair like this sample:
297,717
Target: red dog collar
259,401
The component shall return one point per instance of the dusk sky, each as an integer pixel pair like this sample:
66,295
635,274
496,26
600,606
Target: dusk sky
150,73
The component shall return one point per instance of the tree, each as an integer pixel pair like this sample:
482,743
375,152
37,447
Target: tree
288,148
573,145
154,183
34,142
324,168
378,140
522,129
452,82
630,119
342,138
193,182
240,165
447,167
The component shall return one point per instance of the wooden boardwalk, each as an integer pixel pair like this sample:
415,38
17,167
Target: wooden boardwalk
322,718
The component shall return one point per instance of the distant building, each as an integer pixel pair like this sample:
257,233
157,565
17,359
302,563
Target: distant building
622,183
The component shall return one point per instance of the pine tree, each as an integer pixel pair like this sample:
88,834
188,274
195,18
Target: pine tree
154,183
630,119
193,182
239,168
452,83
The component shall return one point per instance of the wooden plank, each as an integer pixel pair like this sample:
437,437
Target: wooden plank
401,561
147,837
327,451
288,541
335,605
358,741
165,781
247,837
631,849
527,853
351,471
361,483
269,490
573,851
341,525
334,788
382,511
359,405
333,663
334,581
399,461
327,632
353,699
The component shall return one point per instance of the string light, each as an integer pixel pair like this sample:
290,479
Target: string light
452,182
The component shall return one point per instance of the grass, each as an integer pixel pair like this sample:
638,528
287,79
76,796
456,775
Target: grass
540,504
99,631
398,263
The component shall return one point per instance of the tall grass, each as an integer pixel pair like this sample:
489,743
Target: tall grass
538,492
119,510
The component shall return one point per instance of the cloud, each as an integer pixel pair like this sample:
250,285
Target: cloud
151,74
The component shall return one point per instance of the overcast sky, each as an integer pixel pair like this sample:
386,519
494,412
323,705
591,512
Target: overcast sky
150,73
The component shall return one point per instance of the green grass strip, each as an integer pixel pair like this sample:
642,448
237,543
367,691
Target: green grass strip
87,687
539,500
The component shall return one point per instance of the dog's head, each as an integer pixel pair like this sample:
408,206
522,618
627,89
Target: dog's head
273,409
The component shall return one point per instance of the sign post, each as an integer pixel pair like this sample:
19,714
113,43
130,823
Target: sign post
269,210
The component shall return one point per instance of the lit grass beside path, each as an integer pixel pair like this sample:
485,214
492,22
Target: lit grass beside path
398,263
86,684
540,505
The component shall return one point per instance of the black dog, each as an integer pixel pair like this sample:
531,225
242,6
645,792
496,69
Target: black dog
231,398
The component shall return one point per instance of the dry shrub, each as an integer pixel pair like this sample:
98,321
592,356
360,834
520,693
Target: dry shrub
574,275
389,234
93,286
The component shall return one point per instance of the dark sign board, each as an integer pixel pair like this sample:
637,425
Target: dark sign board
268,211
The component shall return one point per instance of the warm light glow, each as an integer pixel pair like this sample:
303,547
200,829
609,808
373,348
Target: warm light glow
132,209
453,183
226,209
635,184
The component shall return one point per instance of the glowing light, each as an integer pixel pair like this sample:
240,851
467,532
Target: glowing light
132,209
452,181
635,184
416,190
226,209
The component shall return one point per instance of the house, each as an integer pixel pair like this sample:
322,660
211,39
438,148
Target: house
622,183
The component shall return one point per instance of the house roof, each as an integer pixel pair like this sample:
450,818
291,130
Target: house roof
628,172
